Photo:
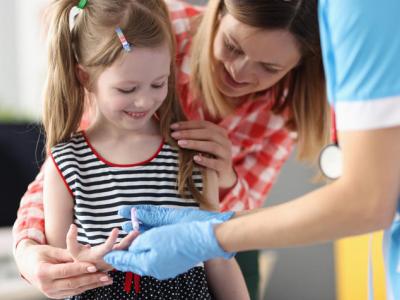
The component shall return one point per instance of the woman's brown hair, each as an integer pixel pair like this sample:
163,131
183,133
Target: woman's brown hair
93,45
302,90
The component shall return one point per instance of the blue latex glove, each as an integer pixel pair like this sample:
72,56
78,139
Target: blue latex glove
150,216
167,251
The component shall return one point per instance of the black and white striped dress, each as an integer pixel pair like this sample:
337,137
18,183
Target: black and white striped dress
100,188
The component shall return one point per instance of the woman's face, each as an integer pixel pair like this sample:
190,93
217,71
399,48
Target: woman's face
250,59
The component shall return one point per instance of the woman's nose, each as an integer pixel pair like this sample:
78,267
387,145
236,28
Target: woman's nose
238,70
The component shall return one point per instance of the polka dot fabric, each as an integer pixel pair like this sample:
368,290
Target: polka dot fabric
188,286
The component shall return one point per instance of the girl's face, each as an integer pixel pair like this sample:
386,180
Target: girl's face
249,59
130,91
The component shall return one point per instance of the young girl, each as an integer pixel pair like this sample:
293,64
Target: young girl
119,55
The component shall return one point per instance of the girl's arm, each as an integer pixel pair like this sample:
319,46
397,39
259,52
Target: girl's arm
224,277
58,206
58,212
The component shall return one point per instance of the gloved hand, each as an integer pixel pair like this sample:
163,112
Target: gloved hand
167,251
150,216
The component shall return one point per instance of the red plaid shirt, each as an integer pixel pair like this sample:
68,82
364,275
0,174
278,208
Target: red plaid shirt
261,143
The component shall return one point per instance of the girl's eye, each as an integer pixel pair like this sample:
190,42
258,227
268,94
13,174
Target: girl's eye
158,85
232,48
123,91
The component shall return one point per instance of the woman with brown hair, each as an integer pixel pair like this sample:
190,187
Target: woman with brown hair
250,79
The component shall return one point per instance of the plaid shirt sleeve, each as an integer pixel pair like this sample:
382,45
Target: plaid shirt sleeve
257,173
260,145
30,216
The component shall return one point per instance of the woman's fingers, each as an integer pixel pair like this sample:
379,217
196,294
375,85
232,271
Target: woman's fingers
201,130
210,163
197,125
76,285
203,133
205,147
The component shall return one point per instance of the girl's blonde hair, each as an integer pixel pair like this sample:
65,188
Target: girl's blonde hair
302,90
94,45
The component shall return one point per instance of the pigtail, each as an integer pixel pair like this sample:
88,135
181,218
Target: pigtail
63,95
171,112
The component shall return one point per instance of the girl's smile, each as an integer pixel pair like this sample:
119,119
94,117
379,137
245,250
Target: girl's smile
136,115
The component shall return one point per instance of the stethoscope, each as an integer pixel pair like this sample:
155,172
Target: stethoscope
330,157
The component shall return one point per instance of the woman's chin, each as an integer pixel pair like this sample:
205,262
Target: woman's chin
231,92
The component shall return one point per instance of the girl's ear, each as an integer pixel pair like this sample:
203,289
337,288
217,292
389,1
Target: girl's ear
82,76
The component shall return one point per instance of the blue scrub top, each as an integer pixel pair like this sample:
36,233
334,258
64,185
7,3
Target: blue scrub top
361,52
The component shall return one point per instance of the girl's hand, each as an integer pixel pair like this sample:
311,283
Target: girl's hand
94,255
207,137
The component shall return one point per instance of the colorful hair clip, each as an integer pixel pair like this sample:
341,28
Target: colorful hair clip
127,47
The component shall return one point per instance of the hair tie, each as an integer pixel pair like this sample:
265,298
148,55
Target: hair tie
74,12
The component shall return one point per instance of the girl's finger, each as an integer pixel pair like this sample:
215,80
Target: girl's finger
109,243
103,249
126,241
72,243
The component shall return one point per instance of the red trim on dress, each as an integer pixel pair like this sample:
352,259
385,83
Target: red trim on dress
121,165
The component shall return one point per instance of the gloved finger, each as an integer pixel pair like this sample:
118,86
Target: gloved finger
155,216
125,211
125,261
127,227
149,215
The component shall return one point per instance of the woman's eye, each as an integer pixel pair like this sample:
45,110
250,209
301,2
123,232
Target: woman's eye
269,69
232,48
124,91
158,85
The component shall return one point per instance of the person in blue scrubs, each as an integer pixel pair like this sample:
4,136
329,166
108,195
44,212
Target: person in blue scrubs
361,49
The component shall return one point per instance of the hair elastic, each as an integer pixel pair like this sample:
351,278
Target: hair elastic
127,47
82,4
74,12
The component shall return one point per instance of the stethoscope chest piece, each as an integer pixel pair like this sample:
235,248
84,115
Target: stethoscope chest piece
330,161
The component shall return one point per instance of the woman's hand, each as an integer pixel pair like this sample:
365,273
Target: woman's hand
207,137
94,255
53,272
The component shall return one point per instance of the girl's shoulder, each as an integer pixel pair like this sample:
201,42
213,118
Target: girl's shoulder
76,142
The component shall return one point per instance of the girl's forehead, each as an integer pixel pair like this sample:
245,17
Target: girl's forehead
142,63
